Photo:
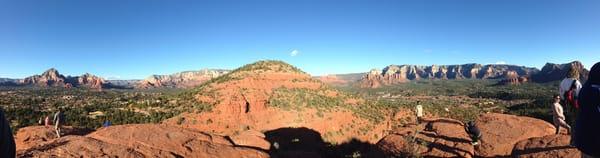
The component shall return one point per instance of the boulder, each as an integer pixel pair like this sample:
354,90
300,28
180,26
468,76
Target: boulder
547,146
251,139
501,132
438,138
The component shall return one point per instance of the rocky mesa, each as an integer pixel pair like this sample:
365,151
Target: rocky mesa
186,79
507,74
395,74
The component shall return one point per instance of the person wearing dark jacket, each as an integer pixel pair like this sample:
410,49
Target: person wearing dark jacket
473,132
7,142
588,120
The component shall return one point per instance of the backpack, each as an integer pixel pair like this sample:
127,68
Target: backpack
570,97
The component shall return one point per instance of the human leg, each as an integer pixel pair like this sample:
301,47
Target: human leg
565,125
557,127
57,129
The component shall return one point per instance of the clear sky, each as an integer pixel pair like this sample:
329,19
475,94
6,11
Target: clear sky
131,39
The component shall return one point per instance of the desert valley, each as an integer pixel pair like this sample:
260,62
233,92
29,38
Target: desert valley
299,79
272,109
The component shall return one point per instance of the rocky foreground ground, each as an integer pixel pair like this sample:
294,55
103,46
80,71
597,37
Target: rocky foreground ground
503,135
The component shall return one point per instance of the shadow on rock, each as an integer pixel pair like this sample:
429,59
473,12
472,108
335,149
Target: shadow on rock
304,142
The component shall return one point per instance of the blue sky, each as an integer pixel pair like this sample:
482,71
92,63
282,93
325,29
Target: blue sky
133,39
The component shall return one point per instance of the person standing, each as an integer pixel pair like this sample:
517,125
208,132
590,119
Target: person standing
569,91
558,116
587,127
59,119
419,112
47,121
7,141
106,123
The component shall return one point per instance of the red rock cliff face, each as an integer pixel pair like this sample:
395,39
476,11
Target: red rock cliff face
512,78
91,81
395,74
186,79
50,77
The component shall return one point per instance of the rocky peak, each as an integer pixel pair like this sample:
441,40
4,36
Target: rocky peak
52,78
91,81
555,72
52,74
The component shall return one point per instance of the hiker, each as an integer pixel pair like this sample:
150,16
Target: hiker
569,90
419,112
47,121
59,119
473,132
7,141
558,116
40,121
106,123
587,128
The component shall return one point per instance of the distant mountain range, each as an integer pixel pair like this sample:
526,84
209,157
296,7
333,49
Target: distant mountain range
393,74
509,74
184,79
52,78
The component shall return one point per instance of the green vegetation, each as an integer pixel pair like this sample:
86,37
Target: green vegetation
464,99
269,65
25,106
300,98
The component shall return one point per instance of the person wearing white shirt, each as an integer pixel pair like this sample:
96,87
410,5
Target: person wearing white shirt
558,116
419,112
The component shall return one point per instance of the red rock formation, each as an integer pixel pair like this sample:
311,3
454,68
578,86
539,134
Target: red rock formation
52,78
185,79
142,140
512,78
242,100
90,81
28,137
547,146
251,138
372,79
395,74
445,138
501,132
